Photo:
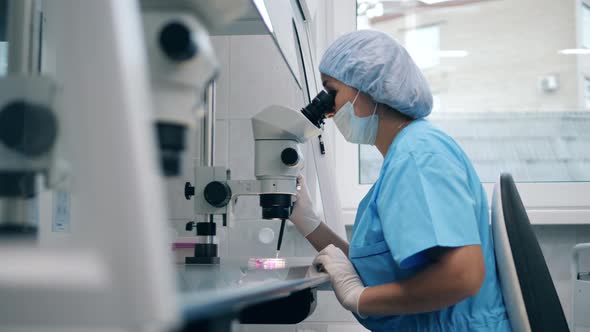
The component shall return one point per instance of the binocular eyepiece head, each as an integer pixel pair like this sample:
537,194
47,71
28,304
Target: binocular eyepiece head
321,105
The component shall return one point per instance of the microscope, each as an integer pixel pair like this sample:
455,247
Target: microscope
278,131
28,132
182,65
28,126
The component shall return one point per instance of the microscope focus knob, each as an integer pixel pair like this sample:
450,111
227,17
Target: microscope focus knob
28,128
176,42
189,190
217,194
290,157
190,226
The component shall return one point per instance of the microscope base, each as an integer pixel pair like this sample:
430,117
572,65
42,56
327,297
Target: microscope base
205,253
201,260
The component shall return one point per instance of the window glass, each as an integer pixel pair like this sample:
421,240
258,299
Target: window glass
585,26
423,45
3,57
503,85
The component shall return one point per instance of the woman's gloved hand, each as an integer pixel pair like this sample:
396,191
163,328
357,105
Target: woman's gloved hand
303,215
345,281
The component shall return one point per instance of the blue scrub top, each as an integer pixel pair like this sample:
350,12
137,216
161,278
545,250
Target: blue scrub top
427,195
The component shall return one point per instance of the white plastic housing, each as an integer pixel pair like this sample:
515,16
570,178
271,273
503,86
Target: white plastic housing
278,122
268,163
177,85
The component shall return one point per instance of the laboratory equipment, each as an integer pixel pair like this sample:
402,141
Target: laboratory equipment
182,65
278,160
251,290
321,104
266,263
113,271
289,25
98,79
28,125
280,240
97,64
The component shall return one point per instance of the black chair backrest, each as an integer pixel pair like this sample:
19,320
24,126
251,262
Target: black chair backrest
543,309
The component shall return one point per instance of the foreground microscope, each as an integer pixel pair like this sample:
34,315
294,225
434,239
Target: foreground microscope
28,126
278,132
182,66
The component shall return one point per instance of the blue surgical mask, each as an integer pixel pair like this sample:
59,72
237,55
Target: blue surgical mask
356,129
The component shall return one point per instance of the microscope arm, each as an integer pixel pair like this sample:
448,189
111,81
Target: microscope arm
244,187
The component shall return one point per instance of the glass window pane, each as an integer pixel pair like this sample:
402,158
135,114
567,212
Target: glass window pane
3,57
585,26
423,45
502,87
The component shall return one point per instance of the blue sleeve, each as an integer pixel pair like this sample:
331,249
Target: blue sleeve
424,201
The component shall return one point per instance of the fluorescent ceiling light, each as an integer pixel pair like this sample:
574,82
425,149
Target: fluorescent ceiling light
453,54
432,2
568,51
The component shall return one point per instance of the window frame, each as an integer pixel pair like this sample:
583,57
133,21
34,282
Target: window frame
547,203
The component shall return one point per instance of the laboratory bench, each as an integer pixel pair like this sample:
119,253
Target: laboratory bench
248,290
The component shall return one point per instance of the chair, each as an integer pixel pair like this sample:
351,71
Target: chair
527,287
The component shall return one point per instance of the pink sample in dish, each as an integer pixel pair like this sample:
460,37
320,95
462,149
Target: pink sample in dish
266,263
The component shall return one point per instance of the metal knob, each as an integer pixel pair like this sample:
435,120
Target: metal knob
189,190
176,42
190,226
28,128
290,157
217,194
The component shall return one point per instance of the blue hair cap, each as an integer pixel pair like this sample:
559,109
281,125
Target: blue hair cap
374,63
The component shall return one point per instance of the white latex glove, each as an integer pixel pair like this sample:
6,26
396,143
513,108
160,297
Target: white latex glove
345,281
303,216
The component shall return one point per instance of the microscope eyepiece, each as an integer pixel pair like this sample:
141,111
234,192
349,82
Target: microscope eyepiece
316,111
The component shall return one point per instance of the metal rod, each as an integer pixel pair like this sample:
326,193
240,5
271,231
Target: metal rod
280,242
23,37
208,130
206,239
207,153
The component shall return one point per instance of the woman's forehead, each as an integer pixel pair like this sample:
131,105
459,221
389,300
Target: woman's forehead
326,79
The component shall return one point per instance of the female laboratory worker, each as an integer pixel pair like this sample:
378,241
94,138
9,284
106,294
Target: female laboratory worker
421,256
